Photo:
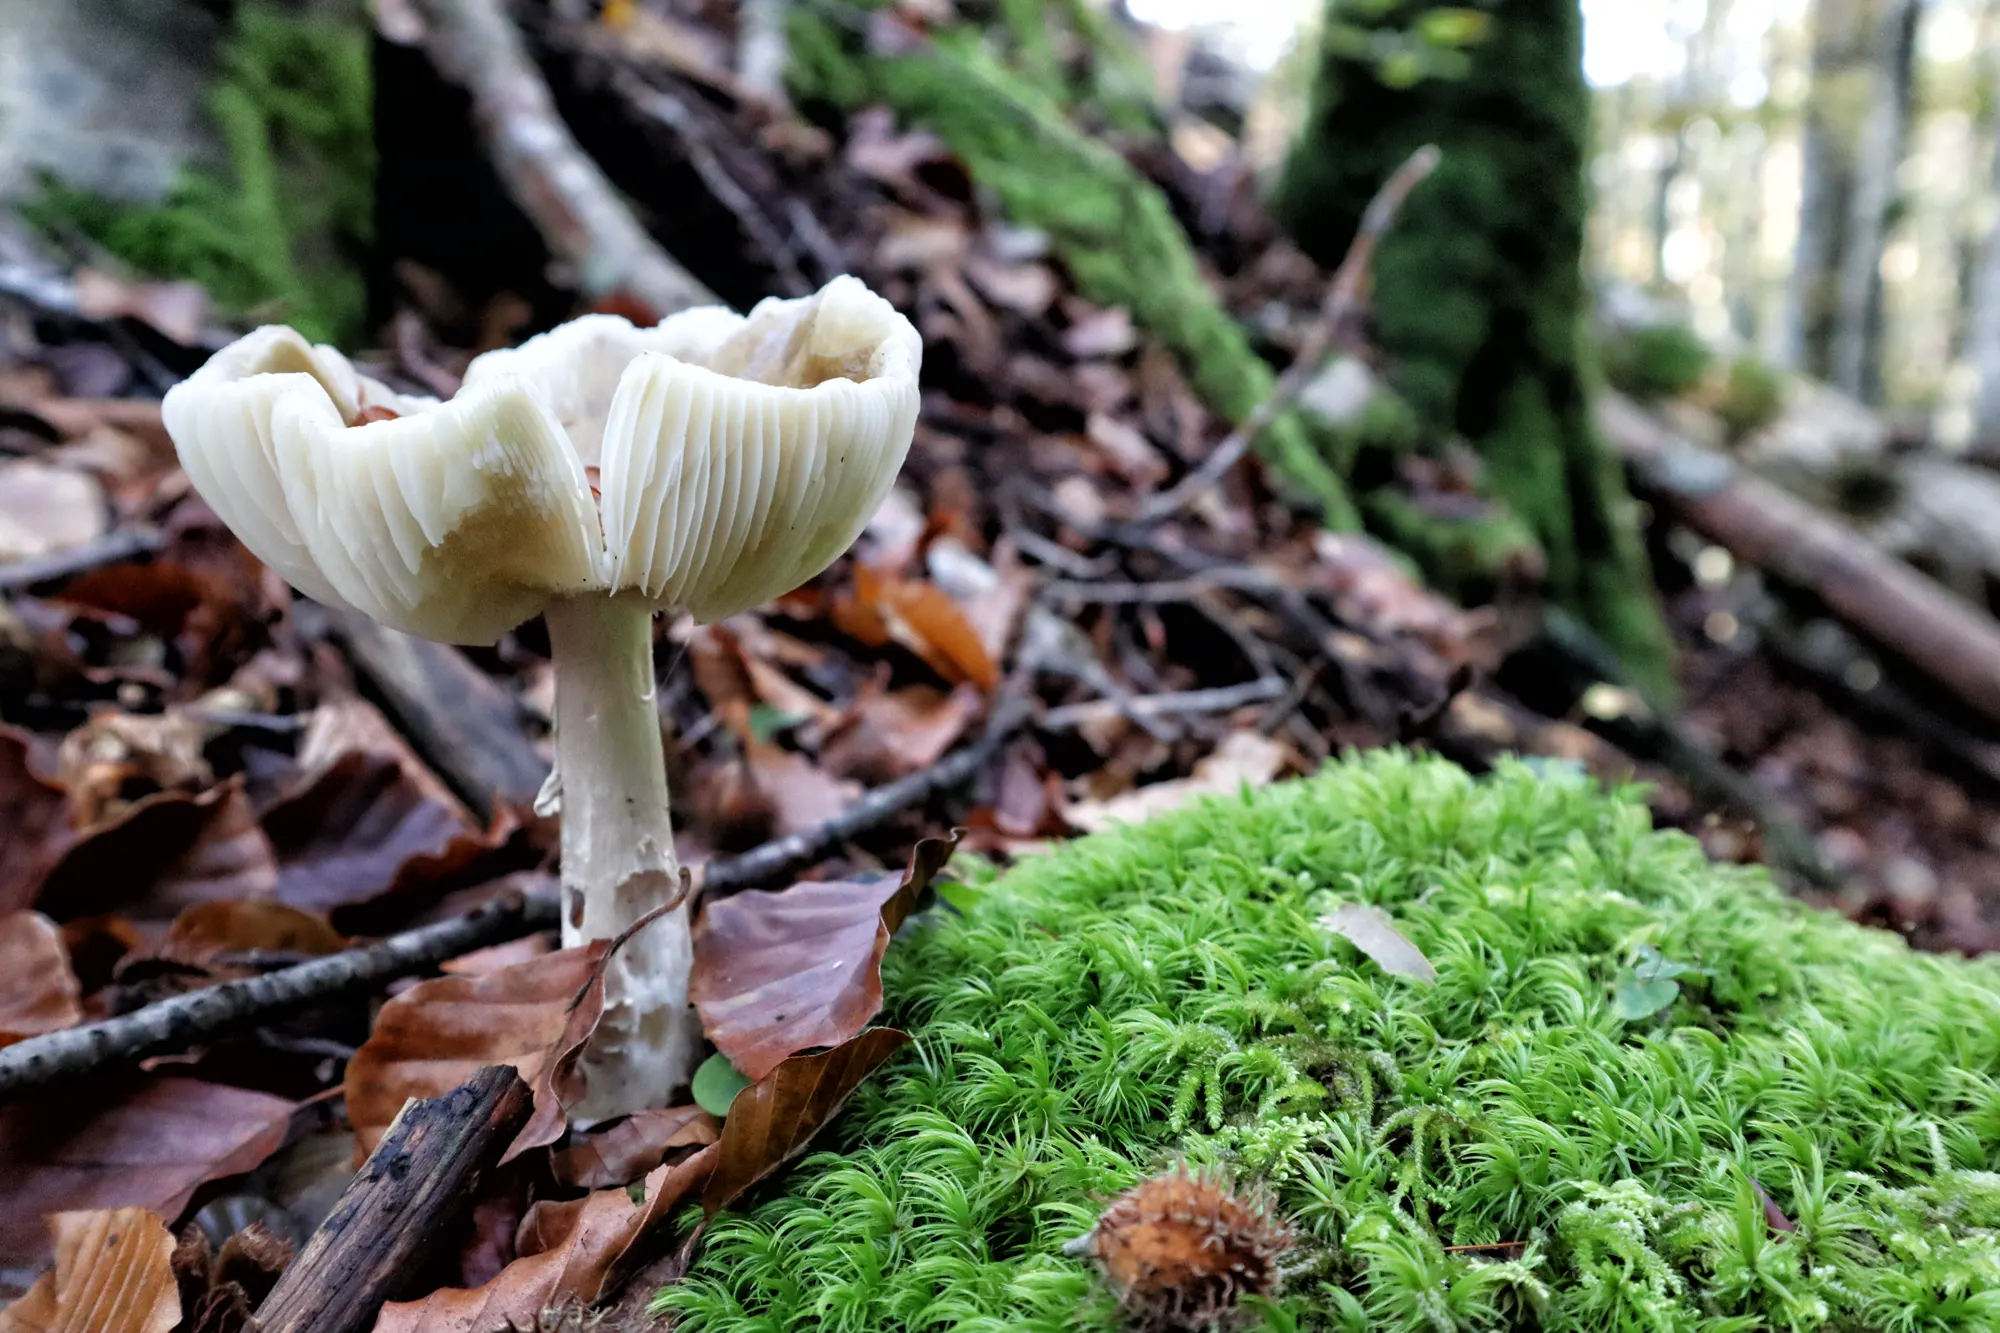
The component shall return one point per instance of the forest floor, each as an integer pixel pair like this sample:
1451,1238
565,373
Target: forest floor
204,778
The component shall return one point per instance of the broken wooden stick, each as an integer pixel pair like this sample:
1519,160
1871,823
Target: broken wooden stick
418,1179
563,192
186,1020
1950,640
462,723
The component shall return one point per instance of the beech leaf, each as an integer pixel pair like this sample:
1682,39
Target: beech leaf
146,1142
112,1272
38,988
633,1146
772,1121
577,1250
1370,930
779,973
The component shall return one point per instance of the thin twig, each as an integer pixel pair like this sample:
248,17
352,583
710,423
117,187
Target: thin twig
186,1020
1343,298
551,178
1221,699
786,854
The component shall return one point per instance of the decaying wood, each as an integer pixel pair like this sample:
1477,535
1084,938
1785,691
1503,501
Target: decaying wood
1953,642
463,723
187,1020
563,192
419,1177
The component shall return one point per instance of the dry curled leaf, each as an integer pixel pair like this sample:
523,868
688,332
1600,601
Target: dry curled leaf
779,973
882,608
773,1119
633,1146
137,1141
112,1275
162,854
435,1035
38,988
1243,758
1370,930
572,1252
35,816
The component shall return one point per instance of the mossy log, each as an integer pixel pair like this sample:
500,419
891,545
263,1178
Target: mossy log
1478,291
1643,1093
1110,226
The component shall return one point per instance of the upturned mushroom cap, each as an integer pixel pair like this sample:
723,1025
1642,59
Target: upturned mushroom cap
735,458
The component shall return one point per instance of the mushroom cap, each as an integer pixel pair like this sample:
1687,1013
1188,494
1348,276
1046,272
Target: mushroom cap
736,457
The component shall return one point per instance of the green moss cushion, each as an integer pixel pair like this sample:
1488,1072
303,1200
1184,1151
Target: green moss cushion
1166,992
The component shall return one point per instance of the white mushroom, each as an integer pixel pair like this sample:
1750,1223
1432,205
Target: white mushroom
735,458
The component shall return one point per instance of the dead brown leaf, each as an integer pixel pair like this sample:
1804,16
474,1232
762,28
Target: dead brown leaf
779,973
1244,757
887,734
881,608
799,793
220,1289
633,1146
140,1141
217,931
177,309
1370,930
45,509
101,762
481,962
38,989
438,1033
773,1119
162,854
35,816
571,1252
112,1275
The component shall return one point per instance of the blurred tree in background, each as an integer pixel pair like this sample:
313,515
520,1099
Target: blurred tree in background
1478,291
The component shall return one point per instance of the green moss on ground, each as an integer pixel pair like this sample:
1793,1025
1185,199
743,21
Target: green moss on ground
1752,397
1165,990
278,231
1656,362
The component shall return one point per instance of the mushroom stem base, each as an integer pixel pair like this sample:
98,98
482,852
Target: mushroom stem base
618,853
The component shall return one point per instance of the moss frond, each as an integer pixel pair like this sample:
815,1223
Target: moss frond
1500,1150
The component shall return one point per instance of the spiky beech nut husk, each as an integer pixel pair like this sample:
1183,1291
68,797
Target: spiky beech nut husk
1183,1248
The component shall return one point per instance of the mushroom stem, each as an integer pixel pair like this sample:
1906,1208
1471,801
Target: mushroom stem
618,852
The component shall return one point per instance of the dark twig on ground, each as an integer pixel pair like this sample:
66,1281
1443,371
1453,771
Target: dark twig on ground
1343,299
421,1176
186,1020
559,187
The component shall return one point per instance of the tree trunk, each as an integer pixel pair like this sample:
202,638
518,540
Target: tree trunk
1478,290
1857,122
1982,320
1857,334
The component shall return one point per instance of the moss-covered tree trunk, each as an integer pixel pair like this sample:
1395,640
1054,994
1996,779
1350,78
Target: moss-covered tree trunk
1478,290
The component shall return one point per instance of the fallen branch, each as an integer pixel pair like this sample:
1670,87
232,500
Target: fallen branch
563,192
1343,298
185,1021
1221,699
1948,639
418,1179
878,806
176,1024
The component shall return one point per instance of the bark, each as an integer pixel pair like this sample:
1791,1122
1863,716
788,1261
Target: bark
1857,334
1951,641
417,1181
550,177
1856,124
1478,292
